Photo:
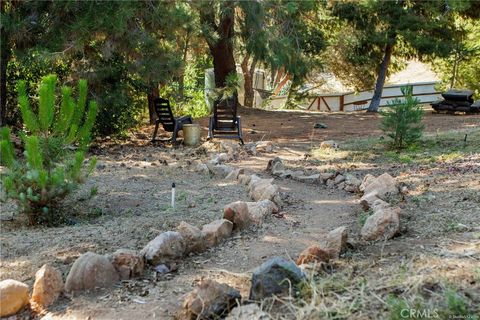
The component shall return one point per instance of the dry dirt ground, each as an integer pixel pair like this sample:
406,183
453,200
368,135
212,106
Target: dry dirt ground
125,204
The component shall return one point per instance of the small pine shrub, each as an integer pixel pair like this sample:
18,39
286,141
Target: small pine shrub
55,141
402,120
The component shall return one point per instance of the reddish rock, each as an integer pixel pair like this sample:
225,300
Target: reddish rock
128,263
313,254
193,237
238,213
217,231
47,287
210,300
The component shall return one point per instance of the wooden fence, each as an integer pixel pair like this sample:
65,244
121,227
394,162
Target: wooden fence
351,101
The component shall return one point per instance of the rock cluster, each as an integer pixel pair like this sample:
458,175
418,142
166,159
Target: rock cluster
384,223
347,182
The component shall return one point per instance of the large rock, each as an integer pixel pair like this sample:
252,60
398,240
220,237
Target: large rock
313,254
91,271
238,213
276,276
217,231
384,186
13,297
128,263
192,236
248,312
47,287
383,224
336,242
210,300
259,209
164,248
263,189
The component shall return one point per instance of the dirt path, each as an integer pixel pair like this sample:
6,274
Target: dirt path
130,196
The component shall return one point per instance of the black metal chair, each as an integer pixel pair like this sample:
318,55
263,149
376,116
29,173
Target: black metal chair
224,122
168,121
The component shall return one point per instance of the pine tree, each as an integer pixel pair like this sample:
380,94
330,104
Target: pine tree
55,140
376,32
402,120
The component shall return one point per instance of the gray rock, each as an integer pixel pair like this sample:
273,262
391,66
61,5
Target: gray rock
324,176
277,276
314,178
330,183
339,179
383,224
275,166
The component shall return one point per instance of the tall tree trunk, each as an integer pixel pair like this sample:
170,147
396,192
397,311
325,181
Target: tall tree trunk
248,74
181,80
221,48
5,56
154,93
382,75
454,72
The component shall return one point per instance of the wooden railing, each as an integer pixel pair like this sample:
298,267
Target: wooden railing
351,101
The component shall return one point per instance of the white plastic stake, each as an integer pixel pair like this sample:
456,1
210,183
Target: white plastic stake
173,195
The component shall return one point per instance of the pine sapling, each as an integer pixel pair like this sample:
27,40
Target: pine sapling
55,140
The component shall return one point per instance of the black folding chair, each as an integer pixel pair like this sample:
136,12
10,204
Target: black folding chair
224,122
168,121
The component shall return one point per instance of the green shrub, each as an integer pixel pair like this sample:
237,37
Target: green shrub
55,140
402,121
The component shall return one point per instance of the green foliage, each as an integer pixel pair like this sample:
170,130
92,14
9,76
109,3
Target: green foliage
55,140
402,121
461,68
